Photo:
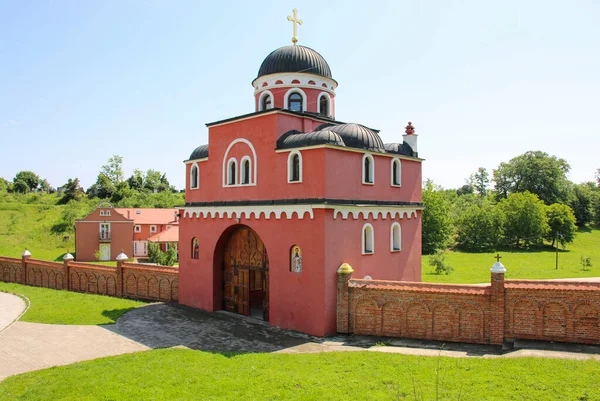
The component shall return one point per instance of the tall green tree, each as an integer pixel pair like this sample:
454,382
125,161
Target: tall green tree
104,187
28,177
136,181
71,191
525,219
437,225
561,222
535,172
479,228
581,200
480,181
113,169
20,186
3,184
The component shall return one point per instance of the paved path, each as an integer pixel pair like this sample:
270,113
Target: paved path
31,346
11,307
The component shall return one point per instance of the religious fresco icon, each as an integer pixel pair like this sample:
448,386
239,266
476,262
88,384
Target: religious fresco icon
195,249
296,259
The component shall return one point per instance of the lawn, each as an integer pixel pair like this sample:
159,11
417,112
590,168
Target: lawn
475,267
66,307
170,374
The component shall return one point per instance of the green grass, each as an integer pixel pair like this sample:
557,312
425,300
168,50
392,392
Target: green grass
177,374
66,307
540,264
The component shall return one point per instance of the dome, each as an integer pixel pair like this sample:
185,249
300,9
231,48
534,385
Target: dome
400,149
297,139
294,58
200,152
358,136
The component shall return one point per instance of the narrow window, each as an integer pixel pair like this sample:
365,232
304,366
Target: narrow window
194,177
195,249
294,167
246,171
295,102
101,212
231,172
324,106
138,229
395,238
367,239
396,173
152,229
368,169
266,102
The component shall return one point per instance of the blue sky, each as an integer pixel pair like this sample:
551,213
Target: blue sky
481,81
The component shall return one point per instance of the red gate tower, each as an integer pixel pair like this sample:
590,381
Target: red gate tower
279,198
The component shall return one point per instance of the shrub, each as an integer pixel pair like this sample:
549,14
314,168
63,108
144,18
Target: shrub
479,228
439,263
586,263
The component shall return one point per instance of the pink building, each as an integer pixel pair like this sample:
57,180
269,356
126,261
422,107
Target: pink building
279,198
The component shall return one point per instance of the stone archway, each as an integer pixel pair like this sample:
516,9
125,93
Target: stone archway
245,274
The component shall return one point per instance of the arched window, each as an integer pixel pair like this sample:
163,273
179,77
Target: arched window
194,173
295,102
266,101
395,238
295,167
368,172
246,171
195,249
231,172
324,104
368,240
396,173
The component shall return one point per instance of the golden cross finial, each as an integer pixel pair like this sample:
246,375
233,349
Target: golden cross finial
498,257
295,21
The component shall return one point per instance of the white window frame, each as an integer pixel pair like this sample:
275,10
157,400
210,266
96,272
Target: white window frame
290,167
261,98
371,168
287,97
398,172
324,94
107,230
153,228
225,170
107,213
101,212
367,230
137,228
395,246
235,180
243,172
195,185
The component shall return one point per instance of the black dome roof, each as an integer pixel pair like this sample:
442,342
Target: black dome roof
199,153
358,136
297,139
294,58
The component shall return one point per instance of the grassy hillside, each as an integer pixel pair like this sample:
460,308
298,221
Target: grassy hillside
539,264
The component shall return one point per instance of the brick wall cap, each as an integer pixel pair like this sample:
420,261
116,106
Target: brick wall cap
68,256
498,268
26,253
345,268
122,257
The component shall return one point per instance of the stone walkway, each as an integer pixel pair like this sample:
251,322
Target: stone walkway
11,307
30,346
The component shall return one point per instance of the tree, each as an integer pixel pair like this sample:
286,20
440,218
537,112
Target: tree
465,190
480,181
71,191
597,175
437,225
29,177
535,172
45,186
581,200
479,228
525,220
136,181
20,186
104,186
561,222
3,184
113,169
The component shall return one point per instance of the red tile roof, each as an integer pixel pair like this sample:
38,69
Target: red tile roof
149,216
475,289
169,235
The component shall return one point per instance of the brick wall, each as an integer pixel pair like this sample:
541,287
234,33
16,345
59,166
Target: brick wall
127,280
481,314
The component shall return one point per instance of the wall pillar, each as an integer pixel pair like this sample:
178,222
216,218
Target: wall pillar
24,257
497,304
343,297
67,271
120,290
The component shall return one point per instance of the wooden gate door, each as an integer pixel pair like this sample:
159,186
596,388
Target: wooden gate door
243,253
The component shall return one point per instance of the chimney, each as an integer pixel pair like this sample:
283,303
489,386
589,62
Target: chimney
410,137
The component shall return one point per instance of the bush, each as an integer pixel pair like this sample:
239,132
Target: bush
438,262
525,220
437,225
586,263
168,258
479,228
561,221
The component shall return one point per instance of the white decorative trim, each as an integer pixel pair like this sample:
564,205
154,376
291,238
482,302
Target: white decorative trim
364,249
375,212
248,212
292,91
242,172
392,247
226,164
290,170
371,168
395,159
195,165
260,100
324,94
288,77
204,159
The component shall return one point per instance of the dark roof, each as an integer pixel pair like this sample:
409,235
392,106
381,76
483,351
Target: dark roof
358,136
400,149
297,139
278,109
199,153
294,58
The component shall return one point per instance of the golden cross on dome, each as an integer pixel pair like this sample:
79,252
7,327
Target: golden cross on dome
498,257
296,22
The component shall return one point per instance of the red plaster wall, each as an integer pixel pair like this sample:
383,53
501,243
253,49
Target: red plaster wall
312,94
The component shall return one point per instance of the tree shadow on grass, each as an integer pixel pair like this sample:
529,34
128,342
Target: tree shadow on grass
114,314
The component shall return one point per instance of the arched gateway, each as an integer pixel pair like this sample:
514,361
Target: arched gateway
246,274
